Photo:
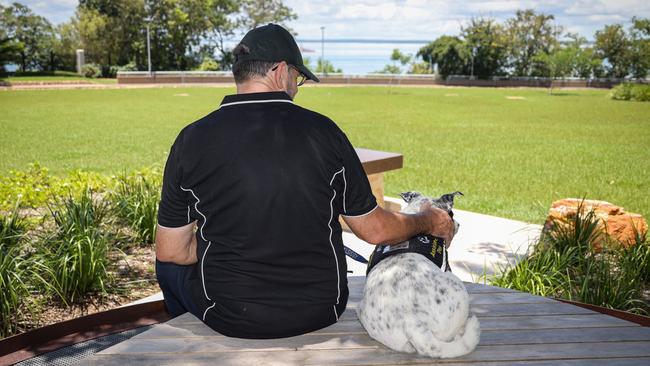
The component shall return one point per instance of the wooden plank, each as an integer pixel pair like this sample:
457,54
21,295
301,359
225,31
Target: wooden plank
536,309
508,298
383,356
488,337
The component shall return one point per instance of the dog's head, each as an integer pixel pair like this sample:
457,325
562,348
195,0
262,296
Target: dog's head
444,202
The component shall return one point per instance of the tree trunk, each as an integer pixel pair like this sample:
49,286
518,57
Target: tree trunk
23,62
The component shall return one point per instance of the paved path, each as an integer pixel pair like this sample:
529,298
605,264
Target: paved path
482,244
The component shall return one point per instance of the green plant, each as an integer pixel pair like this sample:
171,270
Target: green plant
209,64
31,187
641,93
135,201
131,66
570,262
13,289
74,258
12,228
92,71
630,91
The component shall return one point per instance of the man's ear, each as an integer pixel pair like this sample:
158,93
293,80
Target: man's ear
409,196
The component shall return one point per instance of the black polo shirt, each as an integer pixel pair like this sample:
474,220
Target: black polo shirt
266,181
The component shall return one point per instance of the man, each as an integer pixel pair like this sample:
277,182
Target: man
249,239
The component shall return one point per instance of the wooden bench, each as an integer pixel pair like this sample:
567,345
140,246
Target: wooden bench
517,329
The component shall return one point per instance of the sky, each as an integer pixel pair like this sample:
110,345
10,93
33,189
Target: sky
414,19
395,21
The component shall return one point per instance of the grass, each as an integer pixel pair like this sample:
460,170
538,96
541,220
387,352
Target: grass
51,77
511,157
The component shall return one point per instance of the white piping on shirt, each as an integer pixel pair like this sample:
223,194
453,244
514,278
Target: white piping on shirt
367,213
256,101
196,207
329,224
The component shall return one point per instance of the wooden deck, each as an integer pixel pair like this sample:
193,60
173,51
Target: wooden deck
517,329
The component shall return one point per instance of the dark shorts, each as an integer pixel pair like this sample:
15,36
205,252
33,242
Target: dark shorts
173,280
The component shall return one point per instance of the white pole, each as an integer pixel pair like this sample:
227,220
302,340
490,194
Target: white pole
148,50
322,50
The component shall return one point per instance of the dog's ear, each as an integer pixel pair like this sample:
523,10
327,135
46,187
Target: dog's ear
409,196
449,198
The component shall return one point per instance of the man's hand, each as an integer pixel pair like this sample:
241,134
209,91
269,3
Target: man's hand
441,224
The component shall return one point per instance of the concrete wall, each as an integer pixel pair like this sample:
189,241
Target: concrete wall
192,77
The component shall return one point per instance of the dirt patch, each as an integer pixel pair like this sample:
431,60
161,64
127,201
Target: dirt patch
182,95
451,95
515,97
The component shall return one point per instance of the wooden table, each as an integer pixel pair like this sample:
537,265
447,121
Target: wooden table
376,163
517,329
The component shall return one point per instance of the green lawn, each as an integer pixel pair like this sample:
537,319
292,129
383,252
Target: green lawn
57,78
511,157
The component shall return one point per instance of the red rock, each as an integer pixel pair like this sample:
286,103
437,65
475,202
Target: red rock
619,225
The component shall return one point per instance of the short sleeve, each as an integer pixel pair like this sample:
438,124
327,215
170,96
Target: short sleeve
359,199
173,210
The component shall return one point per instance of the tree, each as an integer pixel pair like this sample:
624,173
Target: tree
640,47
9,51
32,34
613,45
485,41
326,67
262,12
530,34
450,53
389,69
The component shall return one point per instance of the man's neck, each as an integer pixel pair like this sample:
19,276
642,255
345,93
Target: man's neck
257,86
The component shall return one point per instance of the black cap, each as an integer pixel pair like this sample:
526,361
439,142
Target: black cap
273,43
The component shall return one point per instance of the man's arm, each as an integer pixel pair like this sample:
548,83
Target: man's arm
176,245
386,227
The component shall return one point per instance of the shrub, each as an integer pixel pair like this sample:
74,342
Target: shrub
630,91
12,229
91,71
13,289
131,66
32,188
209,64
74,258
135,201
109,71
565,264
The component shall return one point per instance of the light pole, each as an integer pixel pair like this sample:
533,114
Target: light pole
322,50
148,47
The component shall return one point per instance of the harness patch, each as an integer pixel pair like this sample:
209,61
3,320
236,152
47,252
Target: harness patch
429,246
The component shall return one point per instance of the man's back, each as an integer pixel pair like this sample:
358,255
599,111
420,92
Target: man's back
266,181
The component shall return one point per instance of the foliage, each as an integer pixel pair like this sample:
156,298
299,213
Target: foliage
30,188
32,37
13,289
131,66
74,258
255,13
9,51
530,34
326,67
613,45
135,200
486,47
209,64
92,71
565,264
420,68
389,69
631,91
12,228
449,53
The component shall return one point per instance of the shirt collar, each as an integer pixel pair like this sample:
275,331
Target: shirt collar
279,96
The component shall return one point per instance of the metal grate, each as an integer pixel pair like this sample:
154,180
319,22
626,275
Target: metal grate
73,354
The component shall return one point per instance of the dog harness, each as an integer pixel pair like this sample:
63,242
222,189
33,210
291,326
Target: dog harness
429,246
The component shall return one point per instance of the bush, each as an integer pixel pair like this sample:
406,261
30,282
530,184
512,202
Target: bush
209,64
109,71
135,201
131,66
91,71
32,188
74,259
630,91
564,264
13,289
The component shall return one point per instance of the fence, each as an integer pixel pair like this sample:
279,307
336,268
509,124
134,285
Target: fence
196,77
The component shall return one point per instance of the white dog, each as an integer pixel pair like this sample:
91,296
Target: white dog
410,305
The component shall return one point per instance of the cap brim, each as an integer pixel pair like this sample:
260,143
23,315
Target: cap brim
308,73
